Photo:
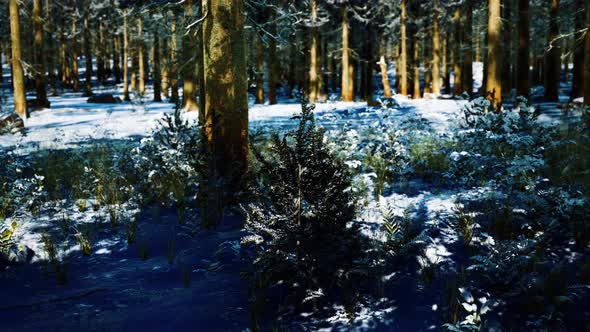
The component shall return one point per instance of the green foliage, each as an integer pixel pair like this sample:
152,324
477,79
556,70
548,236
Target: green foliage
429,157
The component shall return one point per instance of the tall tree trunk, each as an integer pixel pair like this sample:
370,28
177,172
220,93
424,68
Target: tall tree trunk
173,62
141,57
587,58
157,74
18,80
165,73
402,71
117,58
125,62
50,49
292,73
523,82
39,59
435,50
552,60
446,78
100,68
87,50
224,101
457,70
385,77
494,81
367,65
507,49
315,72
189,67
578,73
75,74
416,66
467,70
347,67
273,70
259,68
426,56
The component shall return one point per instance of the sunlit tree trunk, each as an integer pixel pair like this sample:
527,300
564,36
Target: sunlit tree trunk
173,62
385,77
141,57
552,57
315,76
116,58
402,71
259,69
18,79
494,81
125,61
87,50
507,49
347,67
39,56
189,67
435,51
416,65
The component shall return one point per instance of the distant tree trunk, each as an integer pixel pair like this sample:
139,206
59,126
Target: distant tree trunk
134,65
224,102
273,70
50,49
1,64
116,58
189,67
125,56
507,49
367,66
292,74
587,58
157,73
402,71
494,81
523,82
552,60
416,66
446,65
457,82
141,57
75,74
100,68
315,76
435,51
578,79
39,56
347,67
427,60
259,69
18,80
467,70
173,62
87,50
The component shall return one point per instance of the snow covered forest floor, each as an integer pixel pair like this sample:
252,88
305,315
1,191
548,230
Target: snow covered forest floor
462,214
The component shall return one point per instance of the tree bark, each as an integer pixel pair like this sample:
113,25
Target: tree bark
578,74
50,49
1,65
173,62
100,67
125,62
552,58
157,74
315,72
189,67
402,71
18,80
467,70
273,70
494,81
75,74
87,50
141,57
446,79
435,50
416,65
523,82
457,81
347,67
116,58
385,77
39,67
587,58
259,68
507,49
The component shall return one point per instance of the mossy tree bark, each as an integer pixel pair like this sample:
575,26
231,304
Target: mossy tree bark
18,78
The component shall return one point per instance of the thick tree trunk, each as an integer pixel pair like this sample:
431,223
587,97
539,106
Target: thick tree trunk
157,73
259,69
385,77
507,49
587,58
347,67
125,61
523,81
224,101
446,78
552,58
578,73
494,81
416,67
39,67
402,71
189,66
141,57
18,79
87,50
457,82
435,51
273,70
467,70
